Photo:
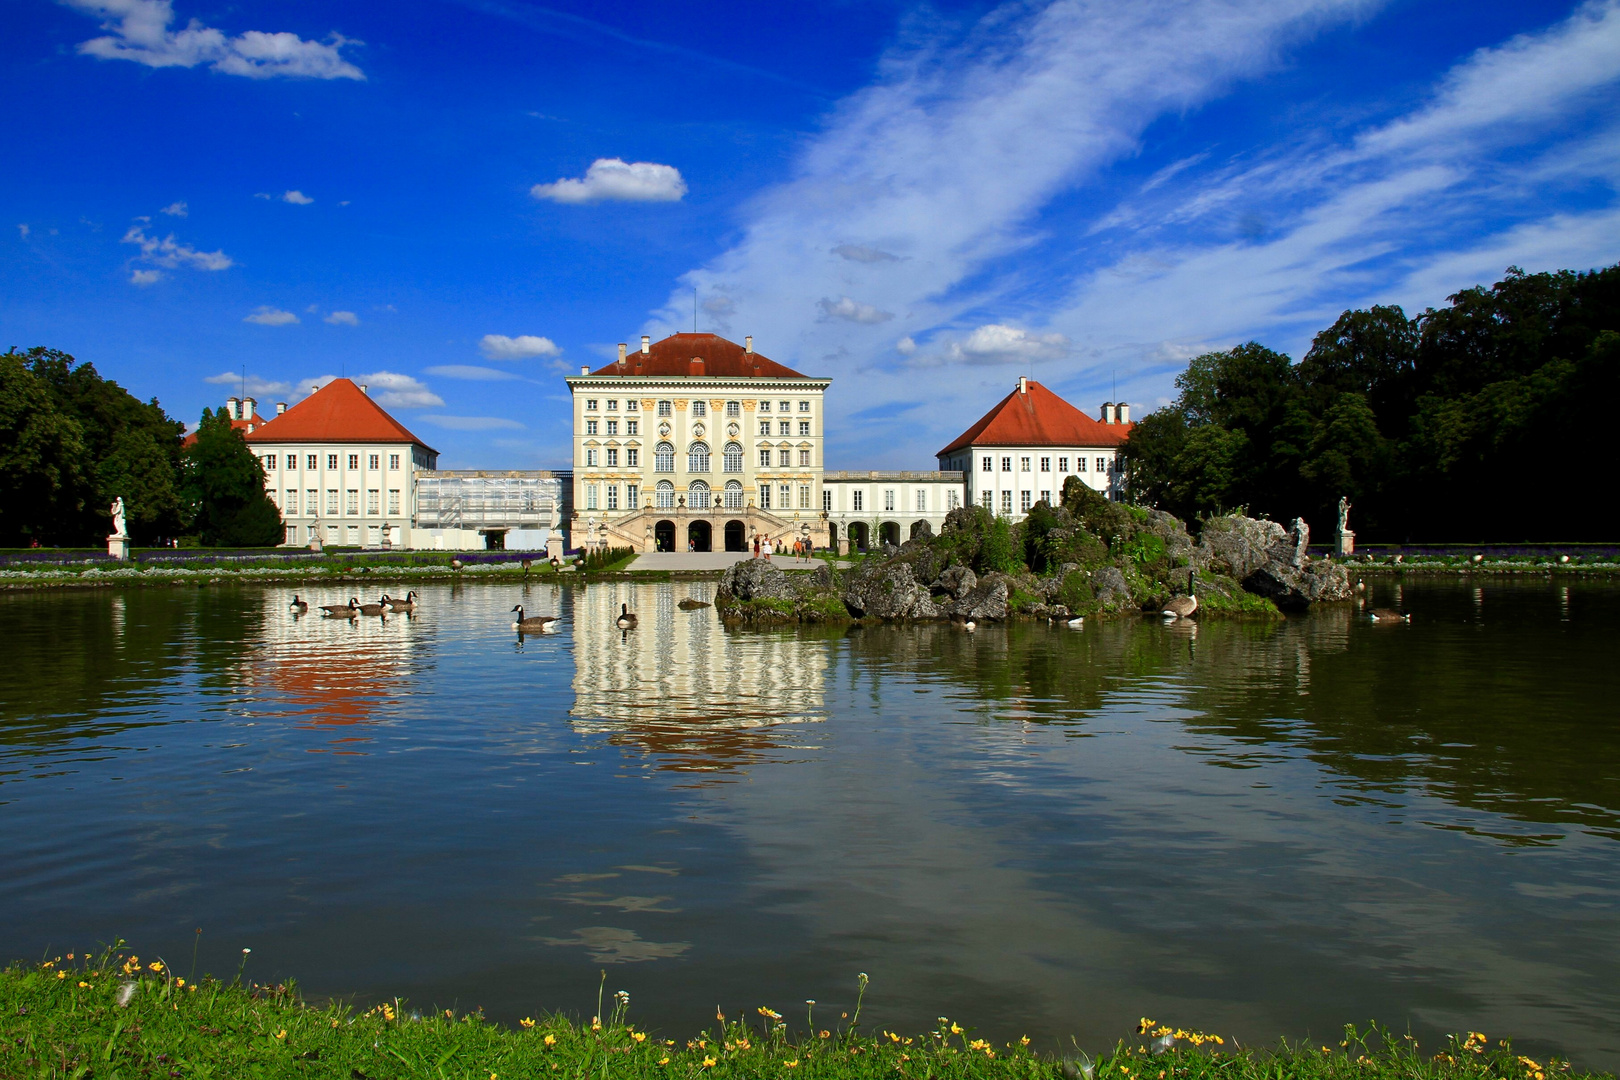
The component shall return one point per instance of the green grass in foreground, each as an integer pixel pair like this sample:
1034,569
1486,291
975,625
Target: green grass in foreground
112,1015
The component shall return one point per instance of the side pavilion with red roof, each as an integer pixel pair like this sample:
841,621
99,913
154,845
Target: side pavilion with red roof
340,469
1023,449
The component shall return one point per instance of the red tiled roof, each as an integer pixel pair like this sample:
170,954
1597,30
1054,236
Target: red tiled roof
699,354
240,425
1038,417
338,412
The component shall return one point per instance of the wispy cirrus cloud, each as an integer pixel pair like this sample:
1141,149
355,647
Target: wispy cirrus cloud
170,254
253,386
142,31
615,180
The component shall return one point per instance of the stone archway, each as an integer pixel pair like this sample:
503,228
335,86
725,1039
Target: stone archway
700,536
889,533
736,536
832,537
858,538
664,536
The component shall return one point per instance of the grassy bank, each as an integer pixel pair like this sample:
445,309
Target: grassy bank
117,1015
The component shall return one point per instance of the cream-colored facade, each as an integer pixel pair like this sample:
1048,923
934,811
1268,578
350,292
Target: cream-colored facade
866,508
699,460
341,493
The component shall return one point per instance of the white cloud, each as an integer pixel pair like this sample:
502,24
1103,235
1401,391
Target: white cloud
297,198
522,347
905,346
390,389
996,343
614,180
175,209
471,372
852,311
256,387
140,30
22,230
860,254
171,255
264,315
343,318
473,423
144,278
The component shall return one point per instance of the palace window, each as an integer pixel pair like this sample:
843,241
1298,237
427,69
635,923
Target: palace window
987,465
1006,464
733,457
1046,497
612,458
764,406
331,461
826,501
784,406
311,506
804,496
590,427
888,500
612,493
733,409
857,496
590,459
351,502
700,408
664,495
1024,501
590,497
331,502
631,427
632,492
590,404
373,501
291,501
268,463
664,408
632,458
1006,502
804,406
786,491
1063,464
764,496
765,428
663,458
354,461
613,404
765,458
922,500
804,427
1079,464
374,461
785,427
804,458
697,495
697,457
786,458
631,406
1023,464
612,427
950,499
1102,464
734,495
292,461
393,500
987,498
1046,464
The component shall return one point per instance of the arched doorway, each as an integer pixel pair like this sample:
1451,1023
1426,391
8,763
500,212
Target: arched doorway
736,536
889,533
664,536
700,536
832,536
857,536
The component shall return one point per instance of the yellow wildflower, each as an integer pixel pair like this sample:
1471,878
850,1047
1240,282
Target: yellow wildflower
639,1036
708,1063
84,985
826,1034
527,1022
1023,1040
282,1034
48,964
156,965
794,1064
551,1040
664,1060
978,1044
61,974
769,1013
956,1029
180,982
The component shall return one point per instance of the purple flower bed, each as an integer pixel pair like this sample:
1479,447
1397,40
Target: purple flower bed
1490,551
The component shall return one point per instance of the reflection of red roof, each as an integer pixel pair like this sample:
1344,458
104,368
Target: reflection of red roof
338,412
244,426
699,354
1038,417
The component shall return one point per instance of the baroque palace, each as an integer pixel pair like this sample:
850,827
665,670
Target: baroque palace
692,443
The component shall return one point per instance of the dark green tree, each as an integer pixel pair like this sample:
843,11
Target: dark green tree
42,461
223,488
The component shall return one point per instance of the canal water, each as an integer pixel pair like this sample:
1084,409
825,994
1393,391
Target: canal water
1257,829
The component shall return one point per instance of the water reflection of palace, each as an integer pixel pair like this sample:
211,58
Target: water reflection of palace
680,684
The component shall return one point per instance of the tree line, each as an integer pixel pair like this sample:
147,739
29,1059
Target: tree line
1484,420
72,441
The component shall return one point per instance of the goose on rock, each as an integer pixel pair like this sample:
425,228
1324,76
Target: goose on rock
627,618
298,607
545,623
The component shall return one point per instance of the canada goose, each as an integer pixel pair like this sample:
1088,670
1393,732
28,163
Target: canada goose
1075,623
346,611
1182,607
627,618
379,608
1361,586
1384,614
407,604
455,564
526,564
970,626
298,607
692,603
539,622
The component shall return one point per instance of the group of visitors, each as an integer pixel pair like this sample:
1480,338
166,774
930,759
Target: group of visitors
763,548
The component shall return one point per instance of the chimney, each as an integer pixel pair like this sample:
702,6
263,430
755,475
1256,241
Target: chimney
1122,412
621,352
315,389
362,388
748,344
231,408
281,407
1108,412
1023,385
646,344
584,370
249,407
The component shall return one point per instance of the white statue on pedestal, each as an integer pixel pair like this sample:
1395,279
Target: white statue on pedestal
118,516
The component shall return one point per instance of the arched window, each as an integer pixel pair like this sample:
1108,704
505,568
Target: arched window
733,461
734,495
665,495
664,458
697,457
697,496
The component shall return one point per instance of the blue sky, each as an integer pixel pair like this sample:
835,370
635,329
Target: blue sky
461,200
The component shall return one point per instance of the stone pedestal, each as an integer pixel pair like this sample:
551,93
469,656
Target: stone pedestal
554,546
1346,543
118,547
